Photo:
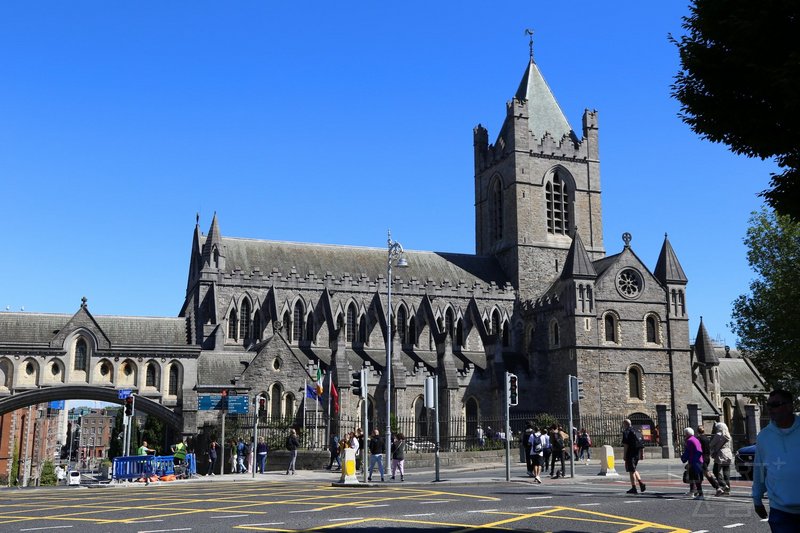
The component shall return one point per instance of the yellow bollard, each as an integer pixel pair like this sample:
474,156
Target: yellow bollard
607,462
349,468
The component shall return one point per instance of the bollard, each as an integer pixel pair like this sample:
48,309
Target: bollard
607,462
349,468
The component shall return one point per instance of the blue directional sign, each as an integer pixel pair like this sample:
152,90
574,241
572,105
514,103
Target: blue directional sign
238,405
123,393
57,404
209,402
215,402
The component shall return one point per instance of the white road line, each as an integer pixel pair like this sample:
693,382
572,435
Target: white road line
587,504
164,530
729,526
540,507
263,524
343,519
538,497
371,506
700,531
420,514
305,511
435,501
482,511
47,527
230,516
633,501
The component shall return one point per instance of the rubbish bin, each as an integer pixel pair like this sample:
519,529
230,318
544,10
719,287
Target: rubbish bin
74,478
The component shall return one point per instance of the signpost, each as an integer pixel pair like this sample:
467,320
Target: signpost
124,393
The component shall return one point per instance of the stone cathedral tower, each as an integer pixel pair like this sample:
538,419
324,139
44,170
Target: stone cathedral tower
536,186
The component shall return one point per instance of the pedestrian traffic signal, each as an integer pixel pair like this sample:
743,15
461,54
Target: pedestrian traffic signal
581,396
358,385
262,404
129,406
513,390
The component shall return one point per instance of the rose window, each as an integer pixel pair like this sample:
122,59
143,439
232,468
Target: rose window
629,283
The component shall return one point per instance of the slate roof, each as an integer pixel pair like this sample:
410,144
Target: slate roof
739,376
668,268
544,113
703,347
120,330
701,399
578,264
249,254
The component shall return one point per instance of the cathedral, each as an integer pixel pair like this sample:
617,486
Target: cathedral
541,298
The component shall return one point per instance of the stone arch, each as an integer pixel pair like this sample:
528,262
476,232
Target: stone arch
127,373
6,374
71,347
28,375
54,371
635,375
554,334
276,400
174,377
559,201
152,377
289,402
420,416
611,328
472,414
103,372
652,329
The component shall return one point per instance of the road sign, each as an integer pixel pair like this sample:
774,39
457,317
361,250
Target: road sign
123,393
57,404
209,402
238,405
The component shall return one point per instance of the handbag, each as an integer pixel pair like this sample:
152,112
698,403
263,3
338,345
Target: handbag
686,474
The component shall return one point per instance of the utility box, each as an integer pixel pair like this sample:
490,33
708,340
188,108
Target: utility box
74,478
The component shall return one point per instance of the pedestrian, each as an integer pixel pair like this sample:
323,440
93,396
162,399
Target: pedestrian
359,433
399,456
213,451
249,452
333,447
144,450
693,457
292,444
355,445
585,445
525,439
232,454
261,452
722,455
558,445
480,437
179,452
776,468
537,452
632,444
705,445
241,456
147,469
376,446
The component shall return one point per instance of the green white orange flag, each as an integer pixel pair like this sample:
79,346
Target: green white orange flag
320,388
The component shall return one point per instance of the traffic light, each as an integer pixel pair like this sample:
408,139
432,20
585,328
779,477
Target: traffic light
513,390
359,383
261,404
581,395
129,406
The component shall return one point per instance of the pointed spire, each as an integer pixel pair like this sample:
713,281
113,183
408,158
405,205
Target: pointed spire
668,268
213,240
703,347
544,114
578,264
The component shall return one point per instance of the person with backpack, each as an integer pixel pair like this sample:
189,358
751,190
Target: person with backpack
526,445
292,444
633,444
557,443
399,455
241,455
538,443
584,445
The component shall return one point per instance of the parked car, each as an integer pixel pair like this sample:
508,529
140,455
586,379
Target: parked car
421,445
744,461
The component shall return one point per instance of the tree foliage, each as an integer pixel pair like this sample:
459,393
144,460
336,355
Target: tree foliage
48,476
766,320
115,446
740,69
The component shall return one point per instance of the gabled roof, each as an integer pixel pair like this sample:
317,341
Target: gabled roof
544,113
703,347
269,256
739,376
578,265
668,268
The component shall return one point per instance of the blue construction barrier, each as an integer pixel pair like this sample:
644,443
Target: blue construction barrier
139,466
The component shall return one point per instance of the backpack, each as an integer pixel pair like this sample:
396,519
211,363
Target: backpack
637,433
247,448
538,448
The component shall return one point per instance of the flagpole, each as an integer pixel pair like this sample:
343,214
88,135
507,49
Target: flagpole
316,413
305,398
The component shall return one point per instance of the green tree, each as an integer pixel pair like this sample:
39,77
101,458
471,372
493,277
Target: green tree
48,475
15,466
115,447
153,432
766,319
737,85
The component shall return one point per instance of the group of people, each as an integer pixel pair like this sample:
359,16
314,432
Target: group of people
240,455
375,447
548,448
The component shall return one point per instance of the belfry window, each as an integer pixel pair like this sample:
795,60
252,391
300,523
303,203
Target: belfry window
244,324
232,323
299,323
557,200
351,323
496,203
402,328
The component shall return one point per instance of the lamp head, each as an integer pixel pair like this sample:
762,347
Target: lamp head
402,262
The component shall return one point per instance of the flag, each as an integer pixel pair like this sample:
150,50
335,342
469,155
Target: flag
320,388
335,396
311,392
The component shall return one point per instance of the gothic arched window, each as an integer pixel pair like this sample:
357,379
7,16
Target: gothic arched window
412,331
652,329
81,352
232,323
635,383
173,380
449,325
402,328
150,379
289,406
496,322
557,199
459,340
506,334
244,321
299,323
610,324
275,398
496,206
310,328
351,323
257,327
362,330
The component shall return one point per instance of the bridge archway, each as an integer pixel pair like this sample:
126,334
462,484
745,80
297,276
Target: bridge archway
88,392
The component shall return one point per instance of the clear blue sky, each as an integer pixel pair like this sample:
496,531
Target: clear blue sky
328,122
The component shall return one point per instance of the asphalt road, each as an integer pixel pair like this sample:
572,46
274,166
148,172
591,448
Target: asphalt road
464,501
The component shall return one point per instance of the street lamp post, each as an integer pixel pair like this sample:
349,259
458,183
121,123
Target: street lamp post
394,256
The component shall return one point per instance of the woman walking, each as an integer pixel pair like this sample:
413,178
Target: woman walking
693,457
399,456
292,444
261,452
722,455
213,450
